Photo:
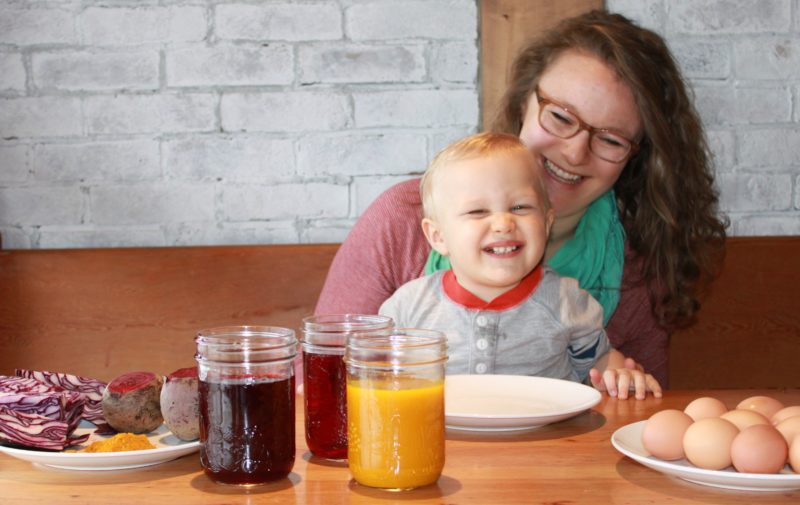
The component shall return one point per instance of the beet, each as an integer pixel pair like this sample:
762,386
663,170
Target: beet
131,402
180,403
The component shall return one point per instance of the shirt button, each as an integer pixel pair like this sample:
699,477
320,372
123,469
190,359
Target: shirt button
480,368
482,344
481,320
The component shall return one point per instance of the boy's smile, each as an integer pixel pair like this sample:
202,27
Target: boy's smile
490,220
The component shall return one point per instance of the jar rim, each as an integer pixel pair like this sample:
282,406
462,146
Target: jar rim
403,347
345,322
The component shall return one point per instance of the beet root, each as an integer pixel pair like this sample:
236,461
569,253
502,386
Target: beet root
131,402
180,403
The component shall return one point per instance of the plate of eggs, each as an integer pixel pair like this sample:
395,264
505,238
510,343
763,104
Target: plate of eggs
753,447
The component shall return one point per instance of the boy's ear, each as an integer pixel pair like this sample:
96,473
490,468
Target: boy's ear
434,236
549,218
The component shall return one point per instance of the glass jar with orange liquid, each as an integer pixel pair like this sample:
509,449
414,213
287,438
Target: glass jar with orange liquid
395,408
325,385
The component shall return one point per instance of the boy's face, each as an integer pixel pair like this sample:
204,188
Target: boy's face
488,218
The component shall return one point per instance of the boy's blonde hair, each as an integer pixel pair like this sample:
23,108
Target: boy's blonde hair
481,144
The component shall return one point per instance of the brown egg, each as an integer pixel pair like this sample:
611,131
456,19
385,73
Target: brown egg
707,443
759,449
663,432
765,405
744,418
794,455
789,428
785,413
704,407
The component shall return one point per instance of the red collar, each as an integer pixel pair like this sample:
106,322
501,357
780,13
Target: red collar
511,298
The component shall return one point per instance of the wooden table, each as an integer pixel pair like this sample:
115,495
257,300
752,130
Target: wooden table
571,462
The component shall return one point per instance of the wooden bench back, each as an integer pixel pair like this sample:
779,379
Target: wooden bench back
748,332
102,312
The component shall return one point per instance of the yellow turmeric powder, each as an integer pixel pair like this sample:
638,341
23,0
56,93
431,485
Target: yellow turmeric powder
120,442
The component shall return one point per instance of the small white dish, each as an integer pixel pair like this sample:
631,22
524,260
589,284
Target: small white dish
628,441
168,447
512,402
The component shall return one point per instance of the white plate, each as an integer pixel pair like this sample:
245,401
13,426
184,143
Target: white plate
628,441
512,402
168,447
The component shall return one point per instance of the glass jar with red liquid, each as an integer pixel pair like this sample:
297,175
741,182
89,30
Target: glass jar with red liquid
324,377
247,403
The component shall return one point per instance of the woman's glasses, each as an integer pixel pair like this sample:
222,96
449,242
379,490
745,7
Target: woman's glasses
606,144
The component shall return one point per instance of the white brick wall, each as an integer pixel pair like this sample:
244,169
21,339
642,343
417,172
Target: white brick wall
185,122
182,122
742,59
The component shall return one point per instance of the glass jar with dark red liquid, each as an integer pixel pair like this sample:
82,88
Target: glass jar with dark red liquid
325,381
247,406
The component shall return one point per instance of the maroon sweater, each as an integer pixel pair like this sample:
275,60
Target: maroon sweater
386,248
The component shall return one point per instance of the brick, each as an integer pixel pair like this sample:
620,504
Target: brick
121,161
769,147
13,164
249,158
361,63
284,201
96,71
326,231
280,21
47,25
249,233
154,203
285,112
441,139
14,238
766,58
722,144
755,192
366,189
416,108
41,205
103,26
767,224
40,117
649,14
12,72
230,65
720,105
703,59
384,154
163,113
455,62
729,16
65,237
404,19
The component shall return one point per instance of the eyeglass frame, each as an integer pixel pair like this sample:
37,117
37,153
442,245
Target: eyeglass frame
583,125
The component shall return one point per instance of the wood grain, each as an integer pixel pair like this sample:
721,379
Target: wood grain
506,26
748,329
571,462
102,312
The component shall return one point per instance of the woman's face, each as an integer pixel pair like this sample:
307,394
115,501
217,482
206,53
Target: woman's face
586,86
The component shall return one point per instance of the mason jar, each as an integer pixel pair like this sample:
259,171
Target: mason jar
324,382
247,406
395,408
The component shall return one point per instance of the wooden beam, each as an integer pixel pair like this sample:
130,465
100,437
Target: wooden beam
506,26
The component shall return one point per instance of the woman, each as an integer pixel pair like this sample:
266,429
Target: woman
602,106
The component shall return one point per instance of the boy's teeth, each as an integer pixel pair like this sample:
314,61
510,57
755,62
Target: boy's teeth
561,174
503,250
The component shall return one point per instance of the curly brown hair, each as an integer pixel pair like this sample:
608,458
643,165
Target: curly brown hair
666,196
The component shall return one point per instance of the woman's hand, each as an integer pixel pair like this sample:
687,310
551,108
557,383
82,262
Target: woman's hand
620,381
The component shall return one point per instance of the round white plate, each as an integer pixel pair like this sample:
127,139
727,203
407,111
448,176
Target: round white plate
512,402
628,441
168,447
